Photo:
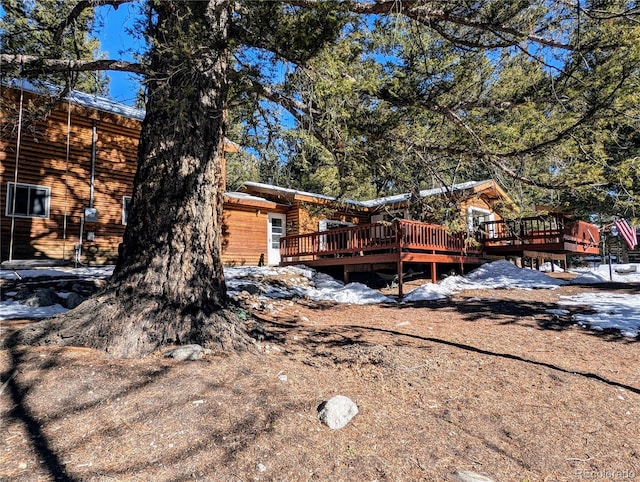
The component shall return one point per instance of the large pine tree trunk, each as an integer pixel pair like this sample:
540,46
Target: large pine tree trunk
168,286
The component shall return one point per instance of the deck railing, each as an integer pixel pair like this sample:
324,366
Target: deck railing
379,237
552,229
551,233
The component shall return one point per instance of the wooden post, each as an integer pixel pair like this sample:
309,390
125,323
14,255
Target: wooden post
434,273
345,274
400,278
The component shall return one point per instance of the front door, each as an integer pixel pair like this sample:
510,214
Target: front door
275,230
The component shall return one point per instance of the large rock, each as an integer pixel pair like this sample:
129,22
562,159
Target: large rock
251,288
41,297
337,412
468,476
188,352
73,300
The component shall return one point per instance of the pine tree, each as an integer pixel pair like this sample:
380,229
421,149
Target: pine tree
424,92
30,28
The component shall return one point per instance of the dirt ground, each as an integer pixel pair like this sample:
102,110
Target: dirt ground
487,382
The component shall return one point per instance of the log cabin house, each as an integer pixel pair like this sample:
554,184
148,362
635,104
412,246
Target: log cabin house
67,179
378,236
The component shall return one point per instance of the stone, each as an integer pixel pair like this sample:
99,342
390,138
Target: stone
337,412
250,288
83,289
188,352
73,300
468,476
41,297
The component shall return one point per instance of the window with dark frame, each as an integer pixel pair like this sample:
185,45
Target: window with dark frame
28,200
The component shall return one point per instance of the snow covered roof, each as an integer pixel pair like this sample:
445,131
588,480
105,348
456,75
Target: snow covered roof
295,193
248,199
105,104
372,203
92,101
243,195
83,99
383,201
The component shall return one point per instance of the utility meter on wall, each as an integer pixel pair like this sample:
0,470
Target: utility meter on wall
90,215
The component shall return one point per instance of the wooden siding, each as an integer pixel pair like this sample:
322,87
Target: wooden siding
43,161
476,201
244,237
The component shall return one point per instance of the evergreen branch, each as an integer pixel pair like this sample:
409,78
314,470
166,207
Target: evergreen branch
303,114
419,11
501,105
34,64
457,41
631,14
501,165
498,160
568,131
291,105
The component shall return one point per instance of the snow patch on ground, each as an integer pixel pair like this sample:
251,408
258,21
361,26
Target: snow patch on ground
14,310
496,275
612,310
618,273
300,282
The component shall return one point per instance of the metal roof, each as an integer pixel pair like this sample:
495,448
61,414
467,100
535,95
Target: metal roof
372,203
76,97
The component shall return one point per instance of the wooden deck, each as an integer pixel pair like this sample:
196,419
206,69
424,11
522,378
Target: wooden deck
368,247
551,233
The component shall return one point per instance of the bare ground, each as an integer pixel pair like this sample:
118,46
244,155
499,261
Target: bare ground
488,382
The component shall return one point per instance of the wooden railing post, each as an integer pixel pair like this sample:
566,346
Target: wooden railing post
400,241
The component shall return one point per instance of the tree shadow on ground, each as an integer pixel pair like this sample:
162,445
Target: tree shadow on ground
23,414
20,391
329,341
134,407
398,335
547,315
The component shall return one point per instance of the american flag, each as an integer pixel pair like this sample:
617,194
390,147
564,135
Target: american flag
627,232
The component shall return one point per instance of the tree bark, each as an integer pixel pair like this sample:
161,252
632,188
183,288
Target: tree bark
168,286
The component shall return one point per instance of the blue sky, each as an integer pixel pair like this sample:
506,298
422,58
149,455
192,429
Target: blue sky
118,44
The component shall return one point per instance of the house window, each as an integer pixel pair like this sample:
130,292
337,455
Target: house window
28,200
390,216
126,202
327,224
478,216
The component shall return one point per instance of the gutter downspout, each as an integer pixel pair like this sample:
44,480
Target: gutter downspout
15,176
94,135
